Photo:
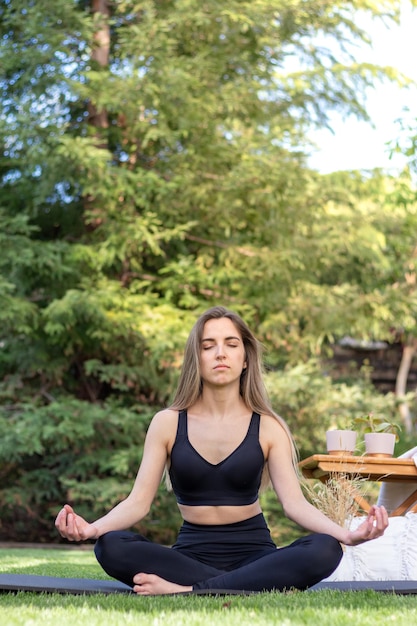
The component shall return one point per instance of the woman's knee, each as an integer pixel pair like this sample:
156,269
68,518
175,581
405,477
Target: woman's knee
316,556
326,551
110,546
321,548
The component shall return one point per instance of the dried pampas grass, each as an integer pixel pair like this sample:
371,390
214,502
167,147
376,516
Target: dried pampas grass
339,498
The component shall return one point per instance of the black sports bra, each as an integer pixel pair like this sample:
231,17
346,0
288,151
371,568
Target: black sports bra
234,481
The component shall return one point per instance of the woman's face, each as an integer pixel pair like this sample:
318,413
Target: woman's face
222,353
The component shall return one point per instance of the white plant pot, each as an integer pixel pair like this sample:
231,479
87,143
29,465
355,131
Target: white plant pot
379,444
341,442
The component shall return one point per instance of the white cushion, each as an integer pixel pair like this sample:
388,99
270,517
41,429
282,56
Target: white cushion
390,557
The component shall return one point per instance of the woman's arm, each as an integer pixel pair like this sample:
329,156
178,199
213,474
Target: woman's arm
287,487
158,442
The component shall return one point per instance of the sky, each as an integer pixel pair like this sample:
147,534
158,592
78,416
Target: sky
357,145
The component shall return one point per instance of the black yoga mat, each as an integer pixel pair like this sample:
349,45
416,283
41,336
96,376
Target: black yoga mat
15,583
52,584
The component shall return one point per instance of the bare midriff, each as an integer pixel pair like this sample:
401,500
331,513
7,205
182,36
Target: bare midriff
218,514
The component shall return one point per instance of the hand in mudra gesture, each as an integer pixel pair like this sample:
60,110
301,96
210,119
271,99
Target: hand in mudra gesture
371,528
74,527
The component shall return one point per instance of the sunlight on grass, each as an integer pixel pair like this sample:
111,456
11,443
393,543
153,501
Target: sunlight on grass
324,608
64,563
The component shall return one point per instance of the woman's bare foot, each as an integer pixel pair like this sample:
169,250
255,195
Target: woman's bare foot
150,585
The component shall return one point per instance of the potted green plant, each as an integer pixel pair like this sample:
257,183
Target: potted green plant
381,435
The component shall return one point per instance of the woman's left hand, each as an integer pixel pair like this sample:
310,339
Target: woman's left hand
373,527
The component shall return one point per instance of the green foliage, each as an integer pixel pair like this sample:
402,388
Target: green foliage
147,179
71,451
371,423
311,403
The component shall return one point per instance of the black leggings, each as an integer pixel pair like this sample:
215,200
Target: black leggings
240,556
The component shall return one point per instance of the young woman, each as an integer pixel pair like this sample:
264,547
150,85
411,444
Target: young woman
220,442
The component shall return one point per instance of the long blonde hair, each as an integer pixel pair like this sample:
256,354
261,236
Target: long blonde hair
252,388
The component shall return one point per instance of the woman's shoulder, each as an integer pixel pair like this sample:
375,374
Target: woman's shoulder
164,419
273,424
168,411
167,415
271,420
163,426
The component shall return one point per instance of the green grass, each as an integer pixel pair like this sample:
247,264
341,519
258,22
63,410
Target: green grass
321,608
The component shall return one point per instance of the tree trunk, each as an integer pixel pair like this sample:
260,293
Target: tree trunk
100,54
401,383
98,118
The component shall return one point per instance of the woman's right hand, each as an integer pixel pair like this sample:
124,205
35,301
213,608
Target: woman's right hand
73,527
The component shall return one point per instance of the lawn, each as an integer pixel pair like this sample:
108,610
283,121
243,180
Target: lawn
321,608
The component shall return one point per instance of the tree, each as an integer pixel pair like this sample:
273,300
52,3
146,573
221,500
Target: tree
154,164
361,254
